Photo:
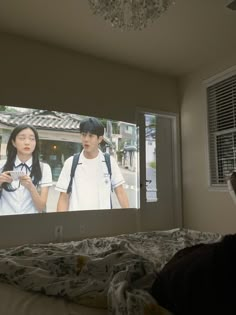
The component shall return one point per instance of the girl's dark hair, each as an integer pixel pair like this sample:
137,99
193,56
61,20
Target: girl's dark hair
36,173
92,125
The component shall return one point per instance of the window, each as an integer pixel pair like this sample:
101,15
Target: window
221,100
160,183
151,180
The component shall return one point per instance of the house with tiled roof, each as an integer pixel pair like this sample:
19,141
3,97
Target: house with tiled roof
58,133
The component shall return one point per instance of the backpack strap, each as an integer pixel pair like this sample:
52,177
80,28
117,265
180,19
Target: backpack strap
108,162
72,171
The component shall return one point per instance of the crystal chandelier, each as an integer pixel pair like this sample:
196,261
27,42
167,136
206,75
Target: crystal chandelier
129,14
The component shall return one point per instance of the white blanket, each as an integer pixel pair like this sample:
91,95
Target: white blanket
110,272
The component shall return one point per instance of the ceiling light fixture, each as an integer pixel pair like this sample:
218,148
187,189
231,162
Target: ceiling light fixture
130,14
231,4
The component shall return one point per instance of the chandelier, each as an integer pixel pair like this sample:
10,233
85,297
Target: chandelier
129,14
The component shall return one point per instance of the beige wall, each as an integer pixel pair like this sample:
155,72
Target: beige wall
37,75
203,208
43,76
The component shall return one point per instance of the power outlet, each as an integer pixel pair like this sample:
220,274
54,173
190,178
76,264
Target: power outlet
58,233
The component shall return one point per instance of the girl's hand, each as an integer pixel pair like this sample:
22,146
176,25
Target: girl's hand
26,181
5,177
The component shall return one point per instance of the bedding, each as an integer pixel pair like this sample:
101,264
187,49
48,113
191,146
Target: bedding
113,275
15,301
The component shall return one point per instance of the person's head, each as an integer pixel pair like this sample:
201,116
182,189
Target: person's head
91,125
92,131
24,142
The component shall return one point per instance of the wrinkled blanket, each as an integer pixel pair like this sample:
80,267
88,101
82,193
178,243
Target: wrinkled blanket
108,272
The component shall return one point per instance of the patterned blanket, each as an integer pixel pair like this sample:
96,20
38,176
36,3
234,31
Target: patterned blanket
108,272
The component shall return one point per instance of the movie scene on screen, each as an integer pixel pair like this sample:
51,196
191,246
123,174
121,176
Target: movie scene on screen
59,139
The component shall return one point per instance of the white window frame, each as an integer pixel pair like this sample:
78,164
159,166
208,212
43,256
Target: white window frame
218,78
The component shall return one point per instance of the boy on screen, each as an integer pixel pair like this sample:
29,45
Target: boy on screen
95,175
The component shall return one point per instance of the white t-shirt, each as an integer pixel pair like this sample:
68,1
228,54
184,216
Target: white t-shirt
91,186
20,200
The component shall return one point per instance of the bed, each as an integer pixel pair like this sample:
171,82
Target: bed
107,275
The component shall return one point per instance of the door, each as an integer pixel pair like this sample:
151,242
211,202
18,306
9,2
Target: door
160,183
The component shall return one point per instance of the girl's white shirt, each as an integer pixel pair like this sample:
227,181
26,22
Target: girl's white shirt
20,201
91,186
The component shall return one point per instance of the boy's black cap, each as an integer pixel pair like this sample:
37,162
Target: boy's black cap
92,125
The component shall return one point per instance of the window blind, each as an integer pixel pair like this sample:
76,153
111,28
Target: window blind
221,100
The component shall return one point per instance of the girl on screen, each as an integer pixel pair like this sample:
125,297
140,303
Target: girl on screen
24,180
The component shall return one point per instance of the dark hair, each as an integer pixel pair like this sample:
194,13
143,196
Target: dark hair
92,125
36,173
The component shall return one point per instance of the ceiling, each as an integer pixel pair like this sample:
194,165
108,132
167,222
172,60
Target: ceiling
189,35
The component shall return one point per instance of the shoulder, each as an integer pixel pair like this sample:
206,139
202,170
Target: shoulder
68,162
45,169
108,156
113,161
115,169
46,179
